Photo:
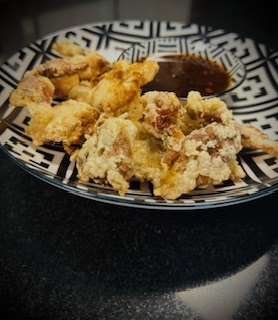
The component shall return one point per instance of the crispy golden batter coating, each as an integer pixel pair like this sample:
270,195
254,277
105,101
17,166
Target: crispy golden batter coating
64,85
157,150
162,111
253,138
96,65
114,133
81,91
31,89
67,122
41,115
68,48
67,73
60,67
119,90
162,117
147,154
204,111
107,155
206,155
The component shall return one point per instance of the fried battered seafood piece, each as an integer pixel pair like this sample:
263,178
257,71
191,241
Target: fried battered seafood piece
55,68
37,89
162,116
147,154
115,134
81,91
96,63
201,112
156,149
206,155
253,138
64,84
41,114
107,155
67,122
66,73
161,110
119,90
68,48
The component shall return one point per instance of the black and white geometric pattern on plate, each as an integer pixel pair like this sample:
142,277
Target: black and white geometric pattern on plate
254,101
187,46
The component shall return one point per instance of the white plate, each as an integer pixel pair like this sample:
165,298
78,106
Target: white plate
254,101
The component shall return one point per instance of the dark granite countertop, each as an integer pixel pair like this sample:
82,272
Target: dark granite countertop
67,257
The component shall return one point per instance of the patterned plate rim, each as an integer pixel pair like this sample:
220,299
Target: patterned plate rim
82,190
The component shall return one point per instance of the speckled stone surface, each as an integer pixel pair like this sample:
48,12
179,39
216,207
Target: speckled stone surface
65,257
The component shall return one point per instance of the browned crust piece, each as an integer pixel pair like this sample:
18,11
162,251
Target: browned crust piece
252,137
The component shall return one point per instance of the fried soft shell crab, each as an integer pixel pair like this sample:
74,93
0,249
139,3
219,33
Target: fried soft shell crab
114,133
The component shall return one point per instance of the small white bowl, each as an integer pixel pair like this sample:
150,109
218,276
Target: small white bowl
197,50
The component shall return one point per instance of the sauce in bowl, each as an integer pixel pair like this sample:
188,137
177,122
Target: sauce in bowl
181,73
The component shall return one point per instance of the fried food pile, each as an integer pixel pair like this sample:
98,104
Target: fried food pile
114,133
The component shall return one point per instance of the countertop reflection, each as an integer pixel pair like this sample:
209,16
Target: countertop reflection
67,257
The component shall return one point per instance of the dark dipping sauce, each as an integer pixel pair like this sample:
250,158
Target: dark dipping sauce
181,73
